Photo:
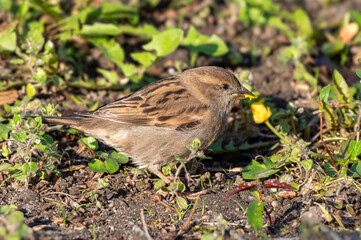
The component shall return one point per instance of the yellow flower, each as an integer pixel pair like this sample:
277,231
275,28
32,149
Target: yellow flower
249,96
260,112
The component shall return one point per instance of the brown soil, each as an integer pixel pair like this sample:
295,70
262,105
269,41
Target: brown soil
118,213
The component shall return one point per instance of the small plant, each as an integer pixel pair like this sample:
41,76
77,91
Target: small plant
107,162
28,145
64,215
102,183
256,207
217,230
12,224
177,187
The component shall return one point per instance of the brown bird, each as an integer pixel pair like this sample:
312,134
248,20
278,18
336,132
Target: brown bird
152,124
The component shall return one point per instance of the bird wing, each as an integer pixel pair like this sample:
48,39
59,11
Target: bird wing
165,103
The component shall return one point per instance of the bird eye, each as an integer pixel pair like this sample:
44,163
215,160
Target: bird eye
224,86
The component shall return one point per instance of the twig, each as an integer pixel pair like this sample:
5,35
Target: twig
144,225
191,156
186,225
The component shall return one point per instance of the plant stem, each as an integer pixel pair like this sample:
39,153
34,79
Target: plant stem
277,133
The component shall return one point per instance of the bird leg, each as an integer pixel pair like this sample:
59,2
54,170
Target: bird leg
156,171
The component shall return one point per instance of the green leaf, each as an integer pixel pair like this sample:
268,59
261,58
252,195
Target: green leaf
7,208
19,137
341,85
181,187
108,166
53,10
307,164
330,170
72,24
111,76
165,42
113,11
256,170
159,184
284,127
145,31
120,158
48,139
26,168
4,132
356,170
128,69
17,61
23,10
358,72
33,167
15,217
197,42
30,90
5,166
230,146
17,174
97,165
182,203
254,215
217,146
296,186
23,230
111,165
196,143
110,48
101,154
325,93
330,116
40,75
90,143
300,73
5,5
356,16
100,29
35,34
144,58
209,236
354,149
284,28
333,48
303,22
8,38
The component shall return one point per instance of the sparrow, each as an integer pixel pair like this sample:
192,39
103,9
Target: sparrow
152,124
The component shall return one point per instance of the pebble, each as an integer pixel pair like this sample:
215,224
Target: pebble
219,176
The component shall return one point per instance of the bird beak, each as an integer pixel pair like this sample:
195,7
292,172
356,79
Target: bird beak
242,93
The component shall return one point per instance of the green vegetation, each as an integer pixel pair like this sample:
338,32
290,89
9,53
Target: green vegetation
56,55
12,224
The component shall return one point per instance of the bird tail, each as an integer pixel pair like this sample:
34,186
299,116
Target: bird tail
73,120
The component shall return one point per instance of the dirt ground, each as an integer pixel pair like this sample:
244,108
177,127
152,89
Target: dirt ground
116,212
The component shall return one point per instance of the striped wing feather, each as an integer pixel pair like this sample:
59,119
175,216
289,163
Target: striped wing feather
164,103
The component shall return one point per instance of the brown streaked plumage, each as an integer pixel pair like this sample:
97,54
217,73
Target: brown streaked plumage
152,124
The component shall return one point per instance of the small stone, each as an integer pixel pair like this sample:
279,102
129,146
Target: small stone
219,176
274,204
239,180
269,199
312,216
286,194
